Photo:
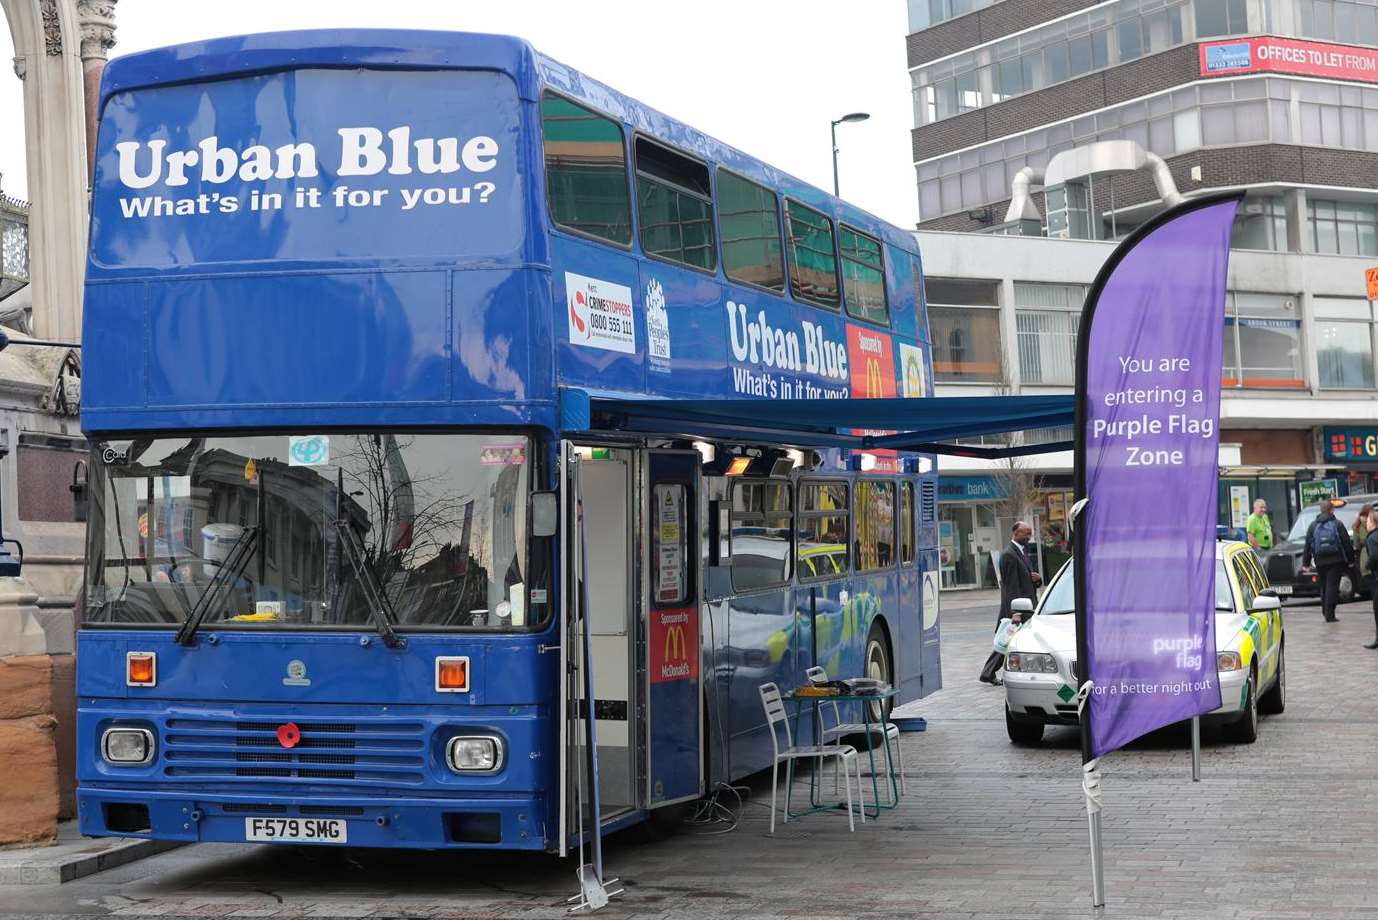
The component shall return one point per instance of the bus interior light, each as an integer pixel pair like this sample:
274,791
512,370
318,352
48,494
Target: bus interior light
452,675
708,452
141,669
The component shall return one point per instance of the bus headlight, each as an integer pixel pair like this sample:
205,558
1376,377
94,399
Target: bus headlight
474,754
127,747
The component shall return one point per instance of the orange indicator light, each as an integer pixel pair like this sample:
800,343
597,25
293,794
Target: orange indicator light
452,674
142,669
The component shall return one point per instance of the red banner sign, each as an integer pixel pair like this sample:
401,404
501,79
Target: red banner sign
674,639
1266,54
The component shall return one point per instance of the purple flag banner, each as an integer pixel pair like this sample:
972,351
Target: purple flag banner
1148,415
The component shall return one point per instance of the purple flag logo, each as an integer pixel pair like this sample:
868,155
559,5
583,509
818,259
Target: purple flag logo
1148,415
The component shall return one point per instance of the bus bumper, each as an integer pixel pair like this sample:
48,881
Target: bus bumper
411,823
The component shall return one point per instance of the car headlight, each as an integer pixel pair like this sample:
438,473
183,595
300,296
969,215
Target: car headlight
474,754
1031,663
127,747
1228,661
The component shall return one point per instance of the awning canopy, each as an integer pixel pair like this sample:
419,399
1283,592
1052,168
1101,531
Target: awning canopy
917,424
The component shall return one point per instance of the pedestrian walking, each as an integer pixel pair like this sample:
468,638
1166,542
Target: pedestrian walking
1330,549
1371,555
1361,532
1017,579
1259,528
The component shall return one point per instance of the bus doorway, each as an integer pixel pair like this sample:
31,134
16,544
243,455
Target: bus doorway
605,484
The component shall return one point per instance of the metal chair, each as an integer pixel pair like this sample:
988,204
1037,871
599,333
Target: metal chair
840,729
774,708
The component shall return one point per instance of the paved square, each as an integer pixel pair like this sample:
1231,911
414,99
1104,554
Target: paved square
1284,828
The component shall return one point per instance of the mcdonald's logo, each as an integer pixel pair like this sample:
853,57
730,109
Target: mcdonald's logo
872,358
674,644
874,387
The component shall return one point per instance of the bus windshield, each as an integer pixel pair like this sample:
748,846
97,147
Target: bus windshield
285,526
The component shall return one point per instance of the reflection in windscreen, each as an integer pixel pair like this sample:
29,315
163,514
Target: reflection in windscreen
286,525
1061,596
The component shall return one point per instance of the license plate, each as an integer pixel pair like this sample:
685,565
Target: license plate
1282,589
296,830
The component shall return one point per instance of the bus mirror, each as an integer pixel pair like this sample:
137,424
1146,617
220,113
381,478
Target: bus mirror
545,514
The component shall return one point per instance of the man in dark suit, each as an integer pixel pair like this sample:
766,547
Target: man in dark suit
1017,579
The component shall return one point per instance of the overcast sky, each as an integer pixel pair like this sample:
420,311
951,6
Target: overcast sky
763,75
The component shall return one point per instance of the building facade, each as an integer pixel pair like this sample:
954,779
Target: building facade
1275,97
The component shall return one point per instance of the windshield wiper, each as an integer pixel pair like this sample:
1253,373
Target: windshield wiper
235,560
379,607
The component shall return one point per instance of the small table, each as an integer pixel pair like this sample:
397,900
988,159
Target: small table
865,699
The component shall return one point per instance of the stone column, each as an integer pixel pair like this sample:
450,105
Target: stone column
47,58
97,19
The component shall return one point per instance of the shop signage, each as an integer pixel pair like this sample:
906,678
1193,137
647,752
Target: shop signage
971,489
1148,393
1353,444
1371,282
1315,490
1268,54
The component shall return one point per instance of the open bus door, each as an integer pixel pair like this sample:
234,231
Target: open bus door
673,684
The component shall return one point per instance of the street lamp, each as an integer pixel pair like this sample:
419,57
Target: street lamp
845,119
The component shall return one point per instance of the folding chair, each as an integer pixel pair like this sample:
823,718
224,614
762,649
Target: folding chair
840,729
774,708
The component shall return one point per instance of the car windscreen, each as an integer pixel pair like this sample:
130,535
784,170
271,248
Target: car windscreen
1346,513
1061,595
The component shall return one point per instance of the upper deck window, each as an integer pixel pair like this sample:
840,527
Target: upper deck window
812,256
863,276
674,203
586,171
749,218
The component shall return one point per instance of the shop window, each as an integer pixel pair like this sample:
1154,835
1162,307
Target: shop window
1221,17
1344,342
1261,223
964,324
1262,341
749,221
823,527
585,171
1344,228
1047,317
675,206
875,525
761,523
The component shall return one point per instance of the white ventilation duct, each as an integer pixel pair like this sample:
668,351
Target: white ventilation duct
1089,160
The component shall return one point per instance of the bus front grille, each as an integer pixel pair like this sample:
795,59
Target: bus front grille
378,752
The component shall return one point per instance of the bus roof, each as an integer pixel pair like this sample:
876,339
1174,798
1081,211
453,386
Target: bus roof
419,49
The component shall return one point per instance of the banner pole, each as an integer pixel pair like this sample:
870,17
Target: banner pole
1196,749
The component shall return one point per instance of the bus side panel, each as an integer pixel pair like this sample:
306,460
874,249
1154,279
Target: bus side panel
931,653
906,631
763,647
598,340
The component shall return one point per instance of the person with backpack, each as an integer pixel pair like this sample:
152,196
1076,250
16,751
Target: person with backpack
1371,550
1329,547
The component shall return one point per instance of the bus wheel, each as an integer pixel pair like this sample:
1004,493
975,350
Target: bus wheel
877,667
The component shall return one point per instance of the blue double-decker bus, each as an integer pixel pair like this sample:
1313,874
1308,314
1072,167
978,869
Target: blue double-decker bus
442,399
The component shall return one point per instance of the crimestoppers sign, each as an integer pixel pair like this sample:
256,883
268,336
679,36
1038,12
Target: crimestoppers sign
1147,452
